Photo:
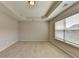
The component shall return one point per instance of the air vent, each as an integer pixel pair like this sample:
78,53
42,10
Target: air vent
65,5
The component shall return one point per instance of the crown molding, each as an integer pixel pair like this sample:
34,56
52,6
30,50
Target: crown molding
69,8
12,11
51,8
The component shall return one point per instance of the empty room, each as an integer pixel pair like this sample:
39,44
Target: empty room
39,29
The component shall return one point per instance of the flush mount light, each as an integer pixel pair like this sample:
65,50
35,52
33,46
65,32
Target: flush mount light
31,3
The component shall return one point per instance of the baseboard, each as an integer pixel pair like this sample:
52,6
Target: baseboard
33,41
7,46
70,50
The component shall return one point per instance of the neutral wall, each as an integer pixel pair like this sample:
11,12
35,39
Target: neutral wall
8,31
34,31
51,31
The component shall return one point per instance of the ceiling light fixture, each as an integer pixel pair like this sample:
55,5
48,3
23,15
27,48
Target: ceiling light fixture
31,2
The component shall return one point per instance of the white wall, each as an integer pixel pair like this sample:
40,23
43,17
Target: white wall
34,31
8,31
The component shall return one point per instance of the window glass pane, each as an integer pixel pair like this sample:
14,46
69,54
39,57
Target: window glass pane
67,30
72,30
59,30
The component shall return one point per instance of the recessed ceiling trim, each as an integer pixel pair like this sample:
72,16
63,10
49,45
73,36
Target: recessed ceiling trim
52,8
64,11
16,14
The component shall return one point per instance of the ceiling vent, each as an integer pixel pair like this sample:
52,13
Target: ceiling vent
65,5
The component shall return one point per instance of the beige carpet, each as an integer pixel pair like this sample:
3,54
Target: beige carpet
33,50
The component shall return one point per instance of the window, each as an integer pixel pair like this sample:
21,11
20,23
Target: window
67,30
72,30
59,30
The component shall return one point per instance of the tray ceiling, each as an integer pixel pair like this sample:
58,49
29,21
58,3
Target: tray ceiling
25,12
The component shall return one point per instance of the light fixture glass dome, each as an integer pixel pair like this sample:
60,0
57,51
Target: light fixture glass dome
31,2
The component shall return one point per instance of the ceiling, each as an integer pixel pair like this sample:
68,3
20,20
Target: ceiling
25,12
